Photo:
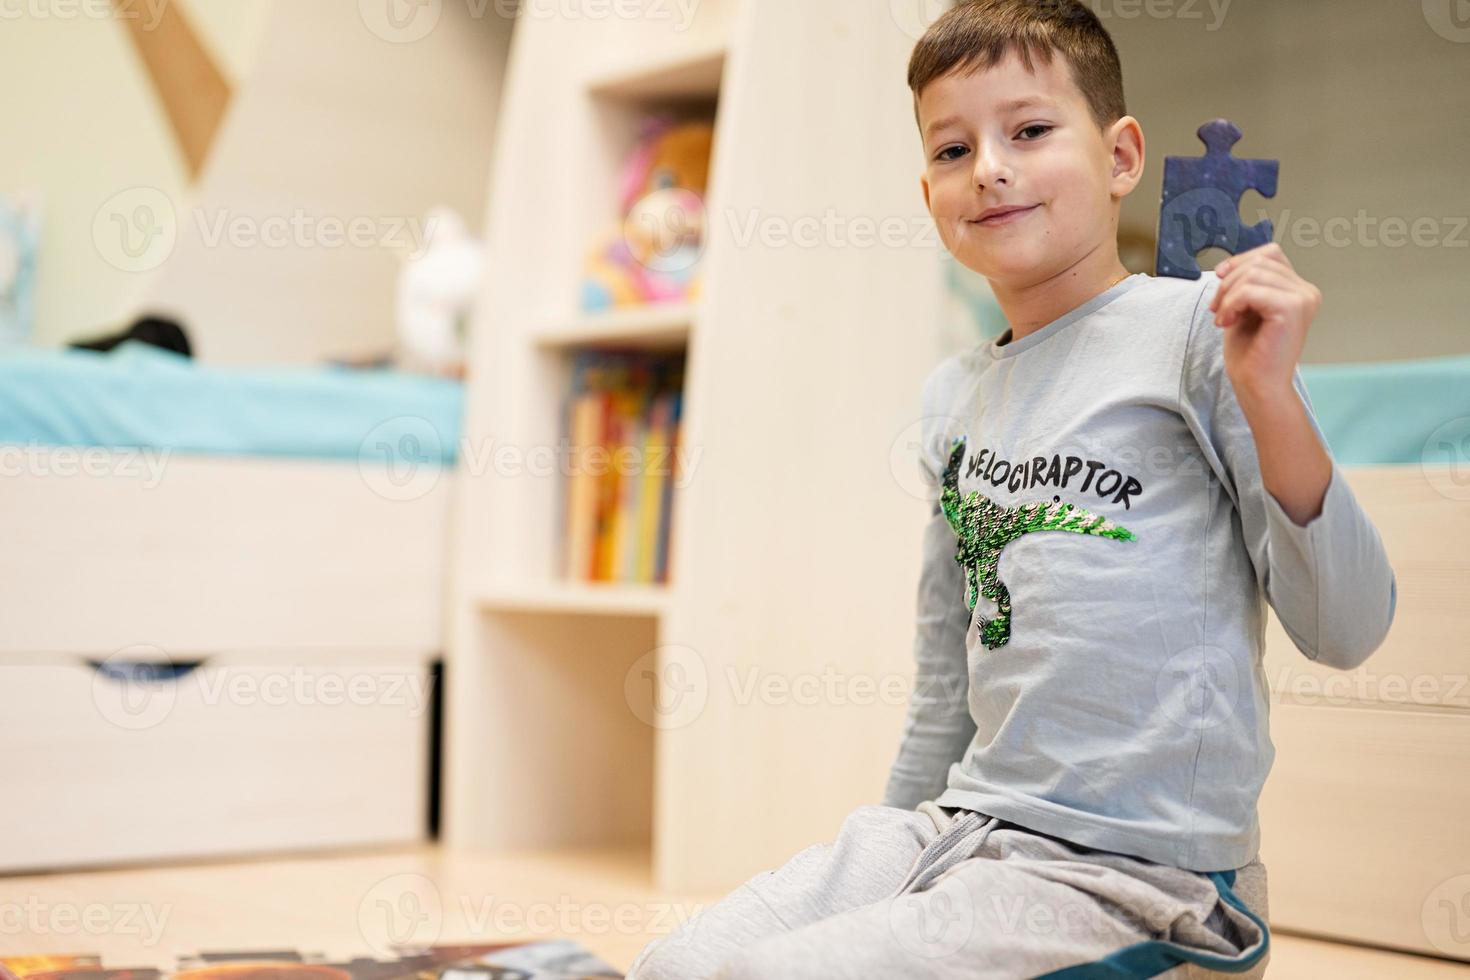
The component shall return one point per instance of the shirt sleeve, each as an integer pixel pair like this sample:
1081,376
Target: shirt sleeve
1329,580
938,728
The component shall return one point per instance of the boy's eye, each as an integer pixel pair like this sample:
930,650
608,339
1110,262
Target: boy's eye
944,154
1044,130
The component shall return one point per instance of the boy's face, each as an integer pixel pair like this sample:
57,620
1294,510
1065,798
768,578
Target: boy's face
1048,156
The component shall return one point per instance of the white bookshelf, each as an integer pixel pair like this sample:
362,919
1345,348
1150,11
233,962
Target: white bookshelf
547,742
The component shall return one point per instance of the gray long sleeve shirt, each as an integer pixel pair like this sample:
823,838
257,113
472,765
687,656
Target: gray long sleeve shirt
1090,612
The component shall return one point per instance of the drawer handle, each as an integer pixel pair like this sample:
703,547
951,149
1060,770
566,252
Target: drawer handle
144,671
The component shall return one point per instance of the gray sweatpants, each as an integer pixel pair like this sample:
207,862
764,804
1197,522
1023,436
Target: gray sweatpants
949,894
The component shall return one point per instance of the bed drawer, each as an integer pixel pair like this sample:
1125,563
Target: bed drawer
218,553
243,753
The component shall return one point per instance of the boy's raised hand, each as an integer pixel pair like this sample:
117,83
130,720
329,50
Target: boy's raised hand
1267,309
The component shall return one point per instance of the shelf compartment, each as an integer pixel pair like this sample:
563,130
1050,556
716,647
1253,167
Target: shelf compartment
686,76
577,598
654,326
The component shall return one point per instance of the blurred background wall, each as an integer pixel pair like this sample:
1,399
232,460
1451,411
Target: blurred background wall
81,121
1360,99
337,141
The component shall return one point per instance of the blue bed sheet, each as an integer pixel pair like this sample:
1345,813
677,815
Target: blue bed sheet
145,397
140,396
1384,412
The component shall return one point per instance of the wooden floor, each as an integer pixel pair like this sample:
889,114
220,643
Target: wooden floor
346,905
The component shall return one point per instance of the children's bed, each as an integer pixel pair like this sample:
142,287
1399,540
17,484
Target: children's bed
221,594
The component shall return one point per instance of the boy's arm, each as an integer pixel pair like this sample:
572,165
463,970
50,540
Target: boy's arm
1316,553
939,728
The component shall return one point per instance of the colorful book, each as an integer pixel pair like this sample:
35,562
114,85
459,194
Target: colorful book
620,418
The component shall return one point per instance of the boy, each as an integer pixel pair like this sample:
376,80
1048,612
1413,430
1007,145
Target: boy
1121,476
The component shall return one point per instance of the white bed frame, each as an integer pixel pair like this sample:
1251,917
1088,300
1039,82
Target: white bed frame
1364,829
255,567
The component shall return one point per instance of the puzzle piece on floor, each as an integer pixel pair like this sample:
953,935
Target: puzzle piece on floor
1201,205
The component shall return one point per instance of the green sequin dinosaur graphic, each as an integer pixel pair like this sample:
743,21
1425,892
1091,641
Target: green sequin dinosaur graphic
984,528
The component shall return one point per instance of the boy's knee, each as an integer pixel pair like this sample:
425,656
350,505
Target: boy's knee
678,957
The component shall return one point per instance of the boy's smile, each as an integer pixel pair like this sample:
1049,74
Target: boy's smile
1023,186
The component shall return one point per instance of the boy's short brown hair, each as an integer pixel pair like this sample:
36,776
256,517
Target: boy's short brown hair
974,35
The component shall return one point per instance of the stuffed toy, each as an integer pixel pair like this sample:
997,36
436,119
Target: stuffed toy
653,255
437,292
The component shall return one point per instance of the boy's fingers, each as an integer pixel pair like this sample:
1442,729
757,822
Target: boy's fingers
1283,275
1260,297
1245,275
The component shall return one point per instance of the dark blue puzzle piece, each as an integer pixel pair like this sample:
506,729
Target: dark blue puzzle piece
1201,206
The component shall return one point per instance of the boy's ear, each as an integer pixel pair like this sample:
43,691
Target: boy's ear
1128,155
924,183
